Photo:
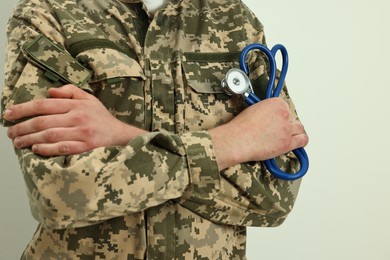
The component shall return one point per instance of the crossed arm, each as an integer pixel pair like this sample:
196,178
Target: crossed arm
73,121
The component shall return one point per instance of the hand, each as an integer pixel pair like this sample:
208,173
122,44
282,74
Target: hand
70,122
260,132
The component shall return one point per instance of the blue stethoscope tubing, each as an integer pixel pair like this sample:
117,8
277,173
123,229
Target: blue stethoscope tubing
272,91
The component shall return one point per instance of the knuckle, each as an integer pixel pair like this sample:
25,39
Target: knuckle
64,148
87,131
38,123
284,113
12,132
39,104
17,130
67,86
301,128
300,141
51,135
282,108
78,118
305,140
19,142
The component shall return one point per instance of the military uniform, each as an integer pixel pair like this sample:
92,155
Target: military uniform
161,196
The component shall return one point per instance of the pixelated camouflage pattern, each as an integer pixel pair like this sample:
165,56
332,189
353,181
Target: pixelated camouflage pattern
161,196
57,63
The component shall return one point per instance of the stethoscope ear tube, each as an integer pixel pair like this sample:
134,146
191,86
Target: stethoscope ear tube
273,91
270,54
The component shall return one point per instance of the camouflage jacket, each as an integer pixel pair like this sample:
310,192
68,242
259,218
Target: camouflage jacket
162,195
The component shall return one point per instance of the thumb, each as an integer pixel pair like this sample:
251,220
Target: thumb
69,91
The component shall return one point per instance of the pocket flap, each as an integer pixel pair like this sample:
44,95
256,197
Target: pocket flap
205,71
109,63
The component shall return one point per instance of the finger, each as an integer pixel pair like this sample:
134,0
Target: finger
297,128
38,107
38,124
299,141
52,135
60,148
59,103
69,91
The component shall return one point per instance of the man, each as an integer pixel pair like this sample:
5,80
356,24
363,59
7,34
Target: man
127,143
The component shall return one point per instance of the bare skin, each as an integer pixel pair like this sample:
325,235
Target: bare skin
70,122
262,131
73,121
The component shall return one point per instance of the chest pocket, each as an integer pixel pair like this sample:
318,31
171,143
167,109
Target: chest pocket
207,105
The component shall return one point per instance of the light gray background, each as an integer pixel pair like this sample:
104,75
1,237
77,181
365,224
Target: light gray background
339,80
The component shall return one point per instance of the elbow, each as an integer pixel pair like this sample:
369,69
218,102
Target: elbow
276,208
278,215
272,215
47,215
54,210
55,201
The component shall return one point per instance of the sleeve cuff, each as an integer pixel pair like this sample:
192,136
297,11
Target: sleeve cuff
203,169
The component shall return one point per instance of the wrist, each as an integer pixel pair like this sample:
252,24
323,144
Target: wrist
125,133
226,149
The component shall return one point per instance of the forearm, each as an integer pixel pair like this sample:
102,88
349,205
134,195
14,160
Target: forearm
78,190
248,196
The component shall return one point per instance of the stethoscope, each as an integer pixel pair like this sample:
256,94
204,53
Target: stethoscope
237,82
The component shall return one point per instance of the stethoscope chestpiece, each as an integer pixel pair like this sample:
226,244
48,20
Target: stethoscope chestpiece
236,82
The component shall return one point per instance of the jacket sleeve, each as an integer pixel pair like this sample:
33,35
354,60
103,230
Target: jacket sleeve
80,190
249,195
